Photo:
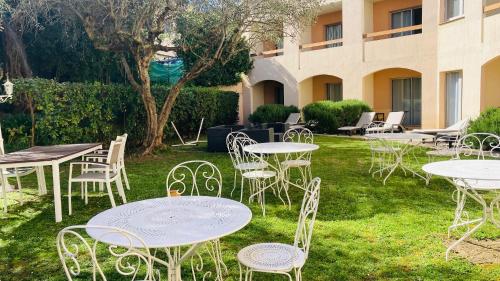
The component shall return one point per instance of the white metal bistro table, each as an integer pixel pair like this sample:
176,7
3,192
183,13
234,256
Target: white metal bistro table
473,179
400,145
40,156
171,222
284,150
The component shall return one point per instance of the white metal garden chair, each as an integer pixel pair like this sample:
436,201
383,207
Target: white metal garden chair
108,173
479,146
18,173
299,161
240,167
100,156
195,178
284,258
77,252
256,170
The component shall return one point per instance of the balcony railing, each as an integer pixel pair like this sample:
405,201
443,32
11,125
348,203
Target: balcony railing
491,8
388,33
269,53
306,47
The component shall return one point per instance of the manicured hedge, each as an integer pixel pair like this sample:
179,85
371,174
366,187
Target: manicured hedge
270,113
487,122
95,112
333,115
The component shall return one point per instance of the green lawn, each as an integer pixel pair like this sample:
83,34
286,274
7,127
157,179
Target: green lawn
364,230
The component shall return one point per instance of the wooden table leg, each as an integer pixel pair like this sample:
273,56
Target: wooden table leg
57,192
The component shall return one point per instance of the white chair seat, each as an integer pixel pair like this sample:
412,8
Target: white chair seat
271,257
376,130
93,176
295,163
442,152
349,128
251,166
383,149
259,174
20,171
479,184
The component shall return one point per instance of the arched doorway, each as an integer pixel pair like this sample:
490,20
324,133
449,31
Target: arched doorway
268,92
490,84
320,87
395,89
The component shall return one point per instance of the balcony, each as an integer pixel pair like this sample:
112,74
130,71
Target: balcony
321,45
400,50
392,18
392,33
491,7
491,23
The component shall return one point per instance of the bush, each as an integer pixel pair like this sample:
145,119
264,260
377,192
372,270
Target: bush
95,112
332,115
487,122
270,113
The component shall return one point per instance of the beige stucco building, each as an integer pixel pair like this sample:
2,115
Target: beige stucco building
438,60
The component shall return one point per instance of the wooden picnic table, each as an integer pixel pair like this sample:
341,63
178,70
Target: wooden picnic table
40,156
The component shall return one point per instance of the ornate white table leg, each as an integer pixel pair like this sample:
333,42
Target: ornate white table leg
175,261
486,211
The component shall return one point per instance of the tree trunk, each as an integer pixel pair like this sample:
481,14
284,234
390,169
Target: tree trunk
15,54
154,135
32,115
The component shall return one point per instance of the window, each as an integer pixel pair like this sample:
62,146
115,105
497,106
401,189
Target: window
453,97
453,9
333,32
405,18
407,97
334,91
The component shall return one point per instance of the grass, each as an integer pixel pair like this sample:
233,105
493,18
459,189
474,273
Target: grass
364,230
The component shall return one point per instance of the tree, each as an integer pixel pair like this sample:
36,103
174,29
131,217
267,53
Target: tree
209,30
222,74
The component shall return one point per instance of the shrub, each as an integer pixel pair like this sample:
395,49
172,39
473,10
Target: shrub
16,131
95,112
270,113
487,122
332,115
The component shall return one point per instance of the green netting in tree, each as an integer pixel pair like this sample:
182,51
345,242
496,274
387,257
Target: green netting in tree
169,71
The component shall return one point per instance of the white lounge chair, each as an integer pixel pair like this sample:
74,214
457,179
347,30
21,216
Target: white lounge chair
393,123
456,129
363,122
293,119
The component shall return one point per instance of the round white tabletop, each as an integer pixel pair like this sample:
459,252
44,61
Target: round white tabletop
465,169
400,136
172,221
280,147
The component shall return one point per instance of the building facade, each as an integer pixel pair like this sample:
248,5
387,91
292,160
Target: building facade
437,60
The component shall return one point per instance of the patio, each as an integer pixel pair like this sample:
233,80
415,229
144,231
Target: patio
364,230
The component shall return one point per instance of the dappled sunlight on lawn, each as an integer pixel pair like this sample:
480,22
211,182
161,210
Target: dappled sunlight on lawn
364,230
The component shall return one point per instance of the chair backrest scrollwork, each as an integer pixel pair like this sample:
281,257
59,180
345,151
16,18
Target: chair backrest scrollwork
131,258
191,177
307,216
300,135
480,145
